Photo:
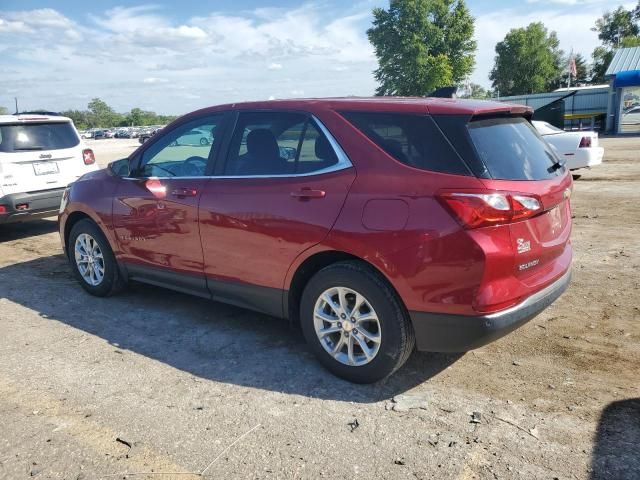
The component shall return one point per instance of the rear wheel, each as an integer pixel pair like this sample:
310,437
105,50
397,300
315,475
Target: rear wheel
92,260
355,323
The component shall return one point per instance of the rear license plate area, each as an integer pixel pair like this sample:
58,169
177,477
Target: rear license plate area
45,168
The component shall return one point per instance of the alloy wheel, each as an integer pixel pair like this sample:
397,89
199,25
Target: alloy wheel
347,326
89,259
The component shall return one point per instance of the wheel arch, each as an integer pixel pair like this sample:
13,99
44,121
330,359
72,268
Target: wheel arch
312,265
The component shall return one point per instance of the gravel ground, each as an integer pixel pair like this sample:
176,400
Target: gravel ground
152,381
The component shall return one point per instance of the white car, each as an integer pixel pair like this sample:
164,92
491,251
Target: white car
578,149
40,155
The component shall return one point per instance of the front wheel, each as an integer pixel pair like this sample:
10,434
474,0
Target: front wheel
355,323
92,260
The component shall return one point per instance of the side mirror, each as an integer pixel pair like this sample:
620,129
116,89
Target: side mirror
120,168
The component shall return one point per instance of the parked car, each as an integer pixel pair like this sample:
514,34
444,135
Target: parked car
577,149
109,133
98,134
39,156
86,134
436,223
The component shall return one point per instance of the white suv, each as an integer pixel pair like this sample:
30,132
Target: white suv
39,156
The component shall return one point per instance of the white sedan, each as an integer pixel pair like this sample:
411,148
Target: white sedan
577,149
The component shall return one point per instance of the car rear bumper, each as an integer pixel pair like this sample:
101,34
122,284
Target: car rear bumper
585,157
439,332
38,205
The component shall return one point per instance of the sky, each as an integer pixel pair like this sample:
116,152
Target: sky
175,56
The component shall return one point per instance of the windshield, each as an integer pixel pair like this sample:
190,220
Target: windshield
511,149
37,136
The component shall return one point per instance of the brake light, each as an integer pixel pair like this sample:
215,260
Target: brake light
88,157
585,142
3,209
475,210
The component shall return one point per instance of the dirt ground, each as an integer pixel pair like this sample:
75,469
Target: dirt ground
153,382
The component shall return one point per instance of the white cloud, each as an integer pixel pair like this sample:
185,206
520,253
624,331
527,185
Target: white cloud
154,80
130,55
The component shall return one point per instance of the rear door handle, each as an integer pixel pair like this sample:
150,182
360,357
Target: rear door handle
184,192
307,193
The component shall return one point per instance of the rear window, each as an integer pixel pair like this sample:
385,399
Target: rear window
414,140
37,136
511,149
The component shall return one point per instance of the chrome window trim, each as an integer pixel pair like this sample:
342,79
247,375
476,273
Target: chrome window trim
343,163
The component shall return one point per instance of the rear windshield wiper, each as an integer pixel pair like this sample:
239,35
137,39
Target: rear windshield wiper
555,166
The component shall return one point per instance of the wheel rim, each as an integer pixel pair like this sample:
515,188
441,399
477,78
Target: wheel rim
89,259
347,326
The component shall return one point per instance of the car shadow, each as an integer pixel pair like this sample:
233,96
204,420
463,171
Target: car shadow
205,338
19,230
616,454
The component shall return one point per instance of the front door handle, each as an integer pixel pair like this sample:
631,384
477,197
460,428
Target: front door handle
307,193
184,192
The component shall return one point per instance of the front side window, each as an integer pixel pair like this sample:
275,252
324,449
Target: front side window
183,152
277,143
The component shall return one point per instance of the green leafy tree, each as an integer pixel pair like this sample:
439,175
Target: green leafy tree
422,45
619,28
101,114
528,60
583,71
4,111
80,118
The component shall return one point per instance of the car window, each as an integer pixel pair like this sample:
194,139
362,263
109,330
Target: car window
183,152
277,143
511,149
37,136
414,140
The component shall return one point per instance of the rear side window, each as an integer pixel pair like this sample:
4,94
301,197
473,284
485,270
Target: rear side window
37,136
278,143
414,140
511,149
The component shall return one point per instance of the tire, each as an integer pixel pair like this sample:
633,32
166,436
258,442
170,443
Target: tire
111,281
204,141
394,329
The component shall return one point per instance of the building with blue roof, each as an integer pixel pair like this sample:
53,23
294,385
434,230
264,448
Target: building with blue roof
623,73
613,107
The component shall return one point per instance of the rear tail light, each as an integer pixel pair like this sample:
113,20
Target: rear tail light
3,209
476,210
88,157
585,142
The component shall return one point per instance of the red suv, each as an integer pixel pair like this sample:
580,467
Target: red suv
379,224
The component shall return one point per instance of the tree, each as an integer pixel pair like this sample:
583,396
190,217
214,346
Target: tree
101,114
422,45
619,28
528,60
583,71
80,118
4,111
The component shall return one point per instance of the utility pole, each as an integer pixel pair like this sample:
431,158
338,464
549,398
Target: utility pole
16,99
